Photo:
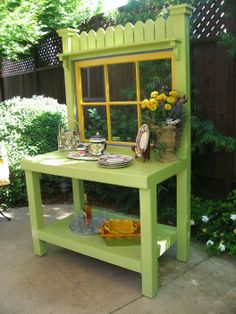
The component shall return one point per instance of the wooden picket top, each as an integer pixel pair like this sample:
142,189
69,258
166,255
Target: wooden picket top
139,33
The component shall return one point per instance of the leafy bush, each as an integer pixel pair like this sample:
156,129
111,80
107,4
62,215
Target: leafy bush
28,126
214,223
205,136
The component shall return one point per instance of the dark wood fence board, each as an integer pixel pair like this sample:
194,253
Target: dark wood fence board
51,84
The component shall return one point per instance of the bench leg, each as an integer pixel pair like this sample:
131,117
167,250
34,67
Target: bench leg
183,215
36,210
78,194
149,249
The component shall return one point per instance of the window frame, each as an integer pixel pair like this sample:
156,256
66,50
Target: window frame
118,59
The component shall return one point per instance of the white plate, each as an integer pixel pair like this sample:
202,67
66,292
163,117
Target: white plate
142,139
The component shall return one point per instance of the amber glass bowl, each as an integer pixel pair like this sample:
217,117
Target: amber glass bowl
120,228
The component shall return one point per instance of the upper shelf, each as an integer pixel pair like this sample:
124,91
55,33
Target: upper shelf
137,175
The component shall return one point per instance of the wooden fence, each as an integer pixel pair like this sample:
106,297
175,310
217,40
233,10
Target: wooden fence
213,74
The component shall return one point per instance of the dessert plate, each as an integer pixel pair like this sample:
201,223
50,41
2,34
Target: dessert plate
142,140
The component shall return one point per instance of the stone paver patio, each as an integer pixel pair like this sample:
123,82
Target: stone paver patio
66,282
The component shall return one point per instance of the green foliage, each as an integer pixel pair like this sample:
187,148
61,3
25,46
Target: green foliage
95,123
23,23
214,223
154,74
205,137
28,127
141,10
125,199
227,39
19,27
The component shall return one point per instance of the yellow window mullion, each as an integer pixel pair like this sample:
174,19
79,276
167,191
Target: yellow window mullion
107,93
138,93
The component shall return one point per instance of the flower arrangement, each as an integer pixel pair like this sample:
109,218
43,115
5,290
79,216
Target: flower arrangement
164,108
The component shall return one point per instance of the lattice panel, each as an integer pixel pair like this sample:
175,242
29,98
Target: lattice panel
13,67
47,52
208,19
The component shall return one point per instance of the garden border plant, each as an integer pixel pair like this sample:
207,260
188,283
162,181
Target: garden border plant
28,126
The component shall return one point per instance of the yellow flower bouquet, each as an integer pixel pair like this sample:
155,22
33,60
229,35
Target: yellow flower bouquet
164,108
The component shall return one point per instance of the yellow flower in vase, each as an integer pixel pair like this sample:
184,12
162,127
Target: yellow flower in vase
145,103
162,97
173,93
153,104
171,100
167,107
154,94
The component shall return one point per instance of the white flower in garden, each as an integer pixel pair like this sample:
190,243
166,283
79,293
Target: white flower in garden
221,247
205,219
210,242
233,216
192,222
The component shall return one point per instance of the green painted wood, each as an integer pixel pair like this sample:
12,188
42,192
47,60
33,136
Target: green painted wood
183,215
171,35
119,50
149,30
67,35
110,37
149,249
78,194
119,35
170,27
180,17
94,246
58,233
84,41
100,38
92,40
70,94
166,236
160,29
137,175
139,32
128,33
36,211
76,42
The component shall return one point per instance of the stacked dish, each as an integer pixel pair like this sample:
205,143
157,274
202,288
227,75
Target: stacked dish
114,161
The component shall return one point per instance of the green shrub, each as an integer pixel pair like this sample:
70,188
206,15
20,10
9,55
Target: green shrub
28,126
214,223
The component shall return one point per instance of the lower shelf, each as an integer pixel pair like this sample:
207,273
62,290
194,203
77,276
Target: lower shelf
129,257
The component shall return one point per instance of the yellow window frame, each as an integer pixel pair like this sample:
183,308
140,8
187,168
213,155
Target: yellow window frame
134,58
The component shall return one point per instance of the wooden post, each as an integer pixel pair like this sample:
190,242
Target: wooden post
179,27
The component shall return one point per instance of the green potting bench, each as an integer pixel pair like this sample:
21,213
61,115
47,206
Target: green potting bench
160,39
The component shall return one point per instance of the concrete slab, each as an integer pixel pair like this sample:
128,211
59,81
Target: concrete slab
67,282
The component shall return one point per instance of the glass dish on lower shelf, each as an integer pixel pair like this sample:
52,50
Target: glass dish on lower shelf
78,226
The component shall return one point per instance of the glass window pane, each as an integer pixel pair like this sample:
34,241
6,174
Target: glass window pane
95,121
124,123
154,75
93,86
122,82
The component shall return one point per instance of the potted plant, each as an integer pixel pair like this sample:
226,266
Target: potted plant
165,113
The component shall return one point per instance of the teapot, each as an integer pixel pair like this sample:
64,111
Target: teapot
97,145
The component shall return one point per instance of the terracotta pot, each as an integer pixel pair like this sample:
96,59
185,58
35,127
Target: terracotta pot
166,139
